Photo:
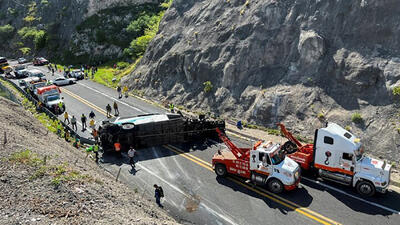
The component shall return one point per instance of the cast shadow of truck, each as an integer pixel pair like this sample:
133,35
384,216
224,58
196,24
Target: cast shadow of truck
356,202
300,196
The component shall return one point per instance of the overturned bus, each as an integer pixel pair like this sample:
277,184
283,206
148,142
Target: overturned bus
155,129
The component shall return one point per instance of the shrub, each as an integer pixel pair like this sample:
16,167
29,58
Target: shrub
139,45
39,37
122,65
396,91
25,157
321,115
25,50
207,86
348,128
6,31
356,118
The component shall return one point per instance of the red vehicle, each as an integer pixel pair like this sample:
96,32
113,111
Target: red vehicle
40,61
337,155
265,164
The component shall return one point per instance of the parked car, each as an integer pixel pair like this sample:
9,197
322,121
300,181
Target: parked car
24,82
36,73
40,61
79,75
22,60
63,81
20,71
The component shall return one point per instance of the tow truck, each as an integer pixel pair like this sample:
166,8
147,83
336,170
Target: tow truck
338,156
155,129
264,164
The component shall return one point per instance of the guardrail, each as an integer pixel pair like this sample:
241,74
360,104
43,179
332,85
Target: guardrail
83,140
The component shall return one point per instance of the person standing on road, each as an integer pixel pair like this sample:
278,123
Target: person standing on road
158,194
125,90
83,120
66,117
119,91
108,109
95,135
52,71
73,123
131,154
116,109
92,115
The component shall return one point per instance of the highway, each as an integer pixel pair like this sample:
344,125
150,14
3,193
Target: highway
193,193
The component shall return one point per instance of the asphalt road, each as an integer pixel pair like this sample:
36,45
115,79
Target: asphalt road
195,195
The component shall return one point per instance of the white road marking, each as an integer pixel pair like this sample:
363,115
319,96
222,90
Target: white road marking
188,196
352,196
117,100
165,168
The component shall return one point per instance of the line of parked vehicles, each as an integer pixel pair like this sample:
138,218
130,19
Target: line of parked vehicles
33,81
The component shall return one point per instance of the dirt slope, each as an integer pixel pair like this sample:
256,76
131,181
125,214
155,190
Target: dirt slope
64,189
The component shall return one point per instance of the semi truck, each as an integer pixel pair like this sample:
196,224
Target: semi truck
338,156
154,129
264,164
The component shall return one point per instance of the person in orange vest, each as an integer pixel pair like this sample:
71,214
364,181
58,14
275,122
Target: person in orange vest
95,135
117,147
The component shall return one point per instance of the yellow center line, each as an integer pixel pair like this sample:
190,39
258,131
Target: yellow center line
302,210
271,195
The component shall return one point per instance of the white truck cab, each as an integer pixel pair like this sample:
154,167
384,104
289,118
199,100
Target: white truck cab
49,96
339,157
268,162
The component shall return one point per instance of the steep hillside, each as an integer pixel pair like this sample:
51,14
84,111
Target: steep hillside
44,180
298,61
75,31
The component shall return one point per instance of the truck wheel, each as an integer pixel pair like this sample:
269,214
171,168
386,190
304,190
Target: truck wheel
365,188
220,170
275,186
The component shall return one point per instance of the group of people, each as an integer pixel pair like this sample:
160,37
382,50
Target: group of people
108,109
123,90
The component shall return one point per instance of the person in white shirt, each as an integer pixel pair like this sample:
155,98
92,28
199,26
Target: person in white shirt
131,154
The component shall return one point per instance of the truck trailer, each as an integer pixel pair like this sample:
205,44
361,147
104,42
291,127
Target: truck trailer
264,164
338,156
155,129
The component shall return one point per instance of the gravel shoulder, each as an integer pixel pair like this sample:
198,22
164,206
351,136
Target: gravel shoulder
44,180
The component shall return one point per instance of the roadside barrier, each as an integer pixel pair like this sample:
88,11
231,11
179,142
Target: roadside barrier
83,140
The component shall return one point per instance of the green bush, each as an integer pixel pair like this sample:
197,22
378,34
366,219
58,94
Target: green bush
356,118
122,65
207,86
39,37
396,91
139,45
6,31
25,50
25,157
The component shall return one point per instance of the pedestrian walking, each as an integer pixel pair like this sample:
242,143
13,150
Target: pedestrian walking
108,109
92,115
125,91
171,107
73,123
158,194
131,154
83,120
52,71
55,65
66,117
117,148
116,109
119,91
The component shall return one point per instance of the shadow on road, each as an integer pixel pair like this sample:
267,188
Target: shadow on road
390,200
303,201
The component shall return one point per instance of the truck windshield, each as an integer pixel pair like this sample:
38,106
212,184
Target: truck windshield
53,98
359,153
277,157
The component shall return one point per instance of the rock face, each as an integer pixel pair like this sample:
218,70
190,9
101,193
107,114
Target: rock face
75,29
286,61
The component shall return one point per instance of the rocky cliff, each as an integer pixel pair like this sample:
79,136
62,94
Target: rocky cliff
302,62
74,31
